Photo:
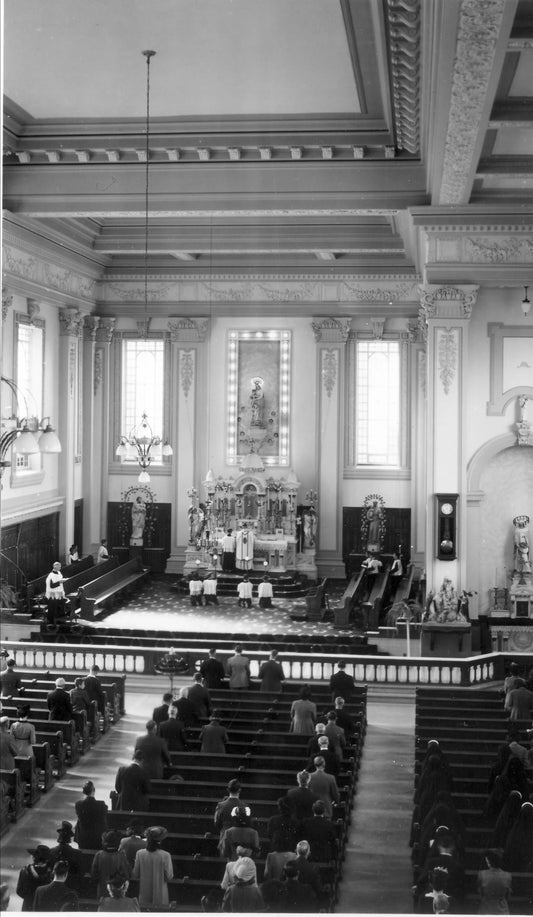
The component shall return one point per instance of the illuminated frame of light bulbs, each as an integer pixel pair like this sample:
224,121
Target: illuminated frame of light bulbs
283,407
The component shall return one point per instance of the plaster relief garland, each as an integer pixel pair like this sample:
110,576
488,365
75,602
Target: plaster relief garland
329,370
447,351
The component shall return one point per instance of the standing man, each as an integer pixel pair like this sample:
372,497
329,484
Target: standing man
244,591
271,674
228,552
58,702
212,671
94,689
160,714
324,786
56,896
172,730
239,670
341,684
10,680
199,697
154,752
55,594
103,553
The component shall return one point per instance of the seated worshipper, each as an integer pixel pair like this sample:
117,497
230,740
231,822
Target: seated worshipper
243,895
153,868
312,745
238,667
212,671
335,735
73,554
58,895
371,567
519,702
344,719
299,897
10,681
23,732
103,553
132,842
302,798
228,877
160,714
222,817
172,731
38,872
8,746
244,591
199,697
506,819
271,674
442,813
331,761
518,853
283,830
196,588
307,873
154,752
109,861
321,835
210,589
65,852
341,684
265,593
494,885
214,737
132,786
55,594
324,785
115,897
58,701
92,819
303,713
240,833
186,709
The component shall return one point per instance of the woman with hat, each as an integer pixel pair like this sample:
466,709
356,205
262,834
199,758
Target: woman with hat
92,819
116,900
35,874
110,861
153,869
243,896
240,833
23,732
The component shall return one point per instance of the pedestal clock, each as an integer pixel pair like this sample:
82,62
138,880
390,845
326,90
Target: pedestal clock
446,535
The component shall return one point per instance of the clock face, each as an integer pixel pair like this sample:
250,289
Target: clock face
446,509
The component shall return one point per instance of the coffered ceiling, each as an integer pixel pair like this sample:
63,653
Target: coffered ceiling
299,135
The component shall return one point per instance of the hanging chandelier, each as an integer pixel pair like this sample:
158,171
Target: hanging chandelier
144,446
28,435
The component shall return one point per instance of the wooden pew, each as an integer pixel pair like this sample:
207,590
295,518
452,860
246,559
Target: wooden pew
72,736
44,765
315,601
56,745
103,592
403,592
351,596
375,601
15,792
114,686
83,577
29,779
39,706
36,587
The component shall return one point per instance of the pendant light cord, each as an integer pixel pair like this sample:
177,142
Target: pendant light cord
148,55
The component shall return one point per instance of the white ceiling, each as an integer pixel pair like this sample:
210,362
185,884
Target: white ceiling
82,58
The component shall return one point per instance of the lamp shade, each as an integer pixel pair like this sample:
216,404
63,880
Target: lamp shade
167,449
121,449
49,441
26,444
144,477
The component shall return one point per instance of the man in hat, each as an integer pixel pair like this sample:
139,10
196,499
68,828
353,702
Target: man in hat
65,852
214,737
172,731
132,785
31,877
132,842
341,684
8,746
271,674
57,896
154,752
58,702
212,671
10,681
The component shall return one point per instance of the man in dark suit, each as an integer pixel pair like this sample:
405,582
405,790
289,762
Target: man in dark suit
299,896
132,786
331,761
301,798
199,697
271,674
56,896
341,684
11,681
58,702
321,834
94,688
344,719
172,730
212,671
160,714
324,785
154,752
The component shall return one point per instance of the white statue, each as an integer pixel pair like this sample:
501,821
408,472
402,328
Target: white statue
138,518
522,557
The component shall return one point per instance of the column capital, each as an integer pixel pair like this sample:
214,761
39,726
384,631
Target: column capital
7,301
70,322
189,330
90,327
331,330
106,327
33,308
446,301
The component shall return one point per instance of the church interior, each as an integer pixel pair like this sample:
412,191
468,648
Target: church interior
267,377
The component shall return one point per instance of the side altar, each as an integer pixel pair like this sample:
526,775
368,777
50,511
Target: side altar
271,530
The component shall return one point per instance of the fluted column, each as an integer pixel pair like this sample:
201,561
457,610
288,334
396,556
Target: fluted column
331,335
70,329
446,311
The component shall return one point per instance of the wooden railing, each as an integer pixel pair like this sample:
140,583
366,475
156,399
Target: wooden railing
372,670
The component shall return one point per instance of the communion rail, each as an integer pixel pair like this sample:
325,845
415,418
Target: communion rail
393,670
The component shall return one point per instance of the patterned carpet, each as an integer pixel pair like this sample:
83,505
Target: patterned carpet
159,607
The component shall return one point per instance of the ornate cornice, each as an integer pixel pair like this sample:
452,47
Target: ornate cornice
447,302
404,54
183,328
333,330
498,247
477,39
70,322
41,271
106,327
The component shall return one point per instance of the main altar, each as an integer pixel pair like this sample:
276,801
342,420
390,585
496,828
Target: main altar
273,532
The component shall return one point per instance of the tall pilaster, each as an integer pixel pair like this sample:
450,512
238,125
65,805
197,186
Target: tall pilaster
446,311
188,371
331,335
418,365
92,379
70,329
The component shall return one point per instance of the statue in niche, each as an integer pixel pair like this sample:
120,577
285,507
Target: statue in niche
374,518
522,557
138,518
257,402
249,501
309,525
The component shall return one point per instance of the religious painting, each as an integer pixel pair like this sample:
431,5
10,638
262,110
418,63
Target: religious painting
258,395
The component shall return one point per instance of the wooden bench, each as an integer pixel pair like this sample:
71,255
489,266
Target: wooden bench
44,765
315,602
15,792
29,779
403,592
374,603
75,731
72,584
350,598
99,595
114,686
56,746
36,587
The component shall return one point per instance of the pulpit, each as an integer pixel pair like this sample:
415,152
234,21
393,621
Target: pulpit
446,640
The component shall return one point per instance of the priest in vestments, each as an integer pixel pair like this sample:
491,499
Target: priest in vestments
244,549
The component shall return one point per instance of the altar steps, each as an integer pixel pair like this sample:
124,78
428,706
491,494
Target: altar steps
285,585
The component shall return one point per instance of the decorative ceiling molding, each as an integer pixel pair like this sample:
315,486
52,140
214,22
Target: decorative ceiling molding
447,248
331,330
448,302
185,329
404,53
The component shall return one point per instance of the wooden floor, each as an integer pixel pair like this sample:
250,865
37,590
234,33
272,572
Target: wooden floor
377,870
